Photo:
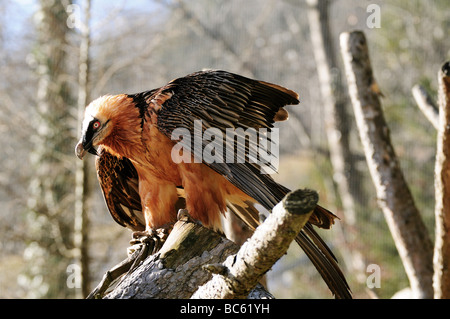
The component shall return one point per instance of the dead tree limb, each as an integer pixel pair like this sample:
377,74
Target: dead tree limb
441,261
426,105
394,197
194,256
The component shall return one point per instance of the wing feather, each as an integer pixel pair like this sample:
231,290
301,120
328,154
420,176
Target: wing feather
225,100
120,186
119,183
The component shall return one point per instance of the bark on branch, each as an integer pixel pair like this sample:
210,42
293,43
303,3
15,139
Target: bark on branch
394,197
426,105
441,280
242,271
194,256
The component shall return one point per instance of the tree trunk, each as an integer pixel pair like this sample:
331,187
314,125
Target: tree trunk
441,280
394,197
334,101
196,262
82,189
52,183
337,124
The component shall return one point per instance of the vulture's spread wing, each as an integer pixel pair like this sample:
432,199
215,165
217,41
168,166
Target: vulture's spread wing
224,101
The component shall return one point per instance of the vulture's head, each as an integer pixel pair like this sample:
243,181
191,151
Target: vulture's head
104,120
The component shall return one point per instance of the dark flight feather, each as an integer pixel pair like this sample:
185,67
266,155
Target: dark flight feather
120,186
248,103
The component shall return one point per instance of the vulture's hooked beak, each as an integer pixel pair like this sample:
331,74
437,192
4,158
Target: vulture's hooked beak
82,147
79,150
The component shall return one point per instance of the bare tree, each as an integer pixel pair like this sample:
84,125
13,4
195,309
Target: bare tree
333,96
346,176
82,189
52,182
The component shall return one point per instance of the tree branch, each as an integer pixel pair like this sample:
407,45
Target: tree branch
237,276
426,104
441,280
194,256
394,197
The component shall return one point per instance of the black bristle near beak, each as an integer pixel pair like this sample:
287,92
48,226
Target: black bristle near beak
92,150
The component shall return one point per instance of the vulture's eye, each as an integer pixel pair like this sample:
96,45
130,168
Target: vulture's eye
96,125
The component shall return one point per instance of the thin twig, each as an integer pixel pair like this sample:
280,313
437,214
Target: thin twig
426,104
